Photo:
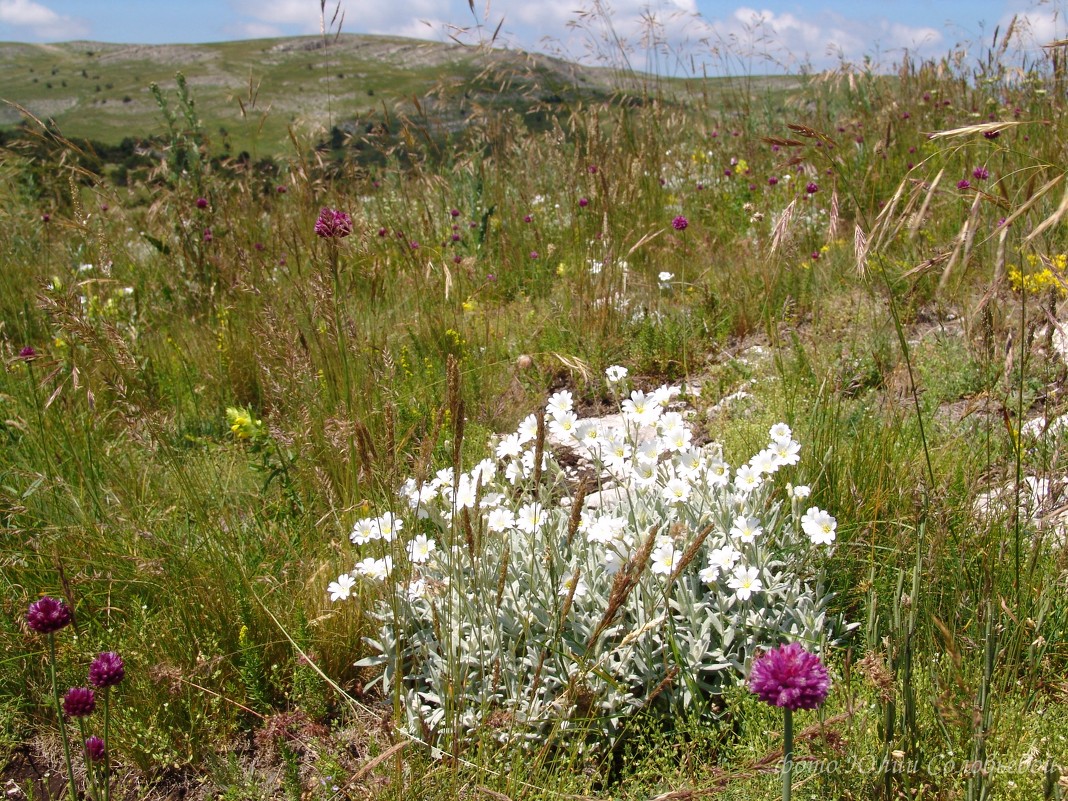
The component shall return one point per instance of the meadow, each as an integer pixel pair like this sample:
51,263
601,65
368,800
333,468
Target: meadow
257,414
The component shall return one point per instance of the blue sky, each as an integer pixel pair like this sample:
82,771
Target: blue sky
818,32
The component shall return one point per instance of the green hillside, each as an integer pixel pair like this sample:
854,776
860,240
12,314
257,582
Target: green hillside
252,93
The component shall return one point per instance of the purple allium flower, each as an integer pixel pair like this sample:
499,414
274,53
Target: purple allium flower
815,256
680,223
46,217
79,702
592,169
773,180
48,615
812,188
28,354
455,212
258,246
382,232
455,237
963,184
991,134
107,670
727,172
533,254
583,202
94,749
333,224
790,677
104,206
980,173
280,189
528,218
700,187
457,259
208,236
202,202
775,148
413,245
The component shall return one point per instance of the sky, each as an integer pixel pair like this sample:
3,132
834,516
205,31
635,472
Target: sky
720,35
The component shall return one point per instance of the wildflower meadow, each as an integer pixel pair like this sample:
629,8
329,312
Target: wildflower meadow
657,437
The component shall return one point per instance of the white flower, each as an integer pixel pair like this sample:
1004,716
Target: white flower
465,493
677,438
665,279
613,562
800,492
509,447
500,519
708,574
339,590
764,463
664,558
443,478
641,408
564,425
717,473
363,531
746,479
781,431
596,267
559,403
387,526
581,589
663,394
819,526
688,462
785,451
676,490
745,582
376,569
746,529
615,374
420,548
531,517
484,471
643,472
528,429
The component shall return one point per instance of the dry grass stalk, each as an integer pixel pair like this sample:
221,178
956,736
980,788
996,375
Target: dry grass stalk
977,128
860,247
965,238
690,553
625,582
782,226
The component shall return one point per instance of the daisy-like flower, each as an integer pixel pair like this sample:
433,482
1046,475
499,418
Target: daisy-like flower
746,479
641,408
615,374
688,462
780,431
564,425
509,447
528,429
581,588
790,677
387,526
375,569
764,463
483,472
819,526
363,531
530,518
676,490
465,493
746,529
616,452
677,438
717,472
664,279
613,561
785,452
341,589
643,473
745,582
500,519
664,394
420,549
664,558
800,492
559,403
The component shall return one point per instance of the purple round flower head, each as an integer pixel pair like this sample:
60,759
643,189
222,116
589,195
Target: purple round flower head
28,354
773,180
48,615
533,254
333,224
79,702
528,218
454,212
202,202
991,134
963,184
46,217
583,202
281,189
790,677
812,188
94,749
107,670
680,223
980,173
208,236
592,169
815,255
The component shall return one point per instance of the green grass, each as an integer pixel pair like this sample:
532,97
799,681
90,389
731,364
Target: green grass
204,558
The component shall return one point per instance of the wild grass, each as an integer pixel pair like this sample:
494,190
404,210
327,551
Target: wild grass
876,314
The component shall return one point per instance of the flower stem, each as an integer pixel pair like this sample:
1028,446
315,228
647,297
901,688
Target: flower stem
787,751
107,744
59,713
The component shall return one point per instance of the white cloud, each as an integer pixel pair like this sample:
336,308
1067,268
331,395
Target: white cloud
40,21
658,33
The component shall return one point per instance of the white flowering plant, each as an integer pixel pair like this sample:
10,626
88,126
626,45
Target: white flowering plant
527,606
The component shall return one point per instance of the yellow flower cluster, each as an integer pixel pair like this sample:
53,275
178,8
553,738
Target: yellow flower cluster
1051,276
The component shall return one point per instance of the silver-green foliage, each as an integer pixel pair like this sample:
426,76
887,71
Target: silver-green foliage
536,620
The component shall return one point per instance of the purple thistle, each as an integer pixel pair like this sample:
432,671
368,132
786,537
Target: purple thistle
812,188
107,670
583,202
454,212
790,677
980,173
48,615
202,202
94,749
79,702
333,224
963,184
680,223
